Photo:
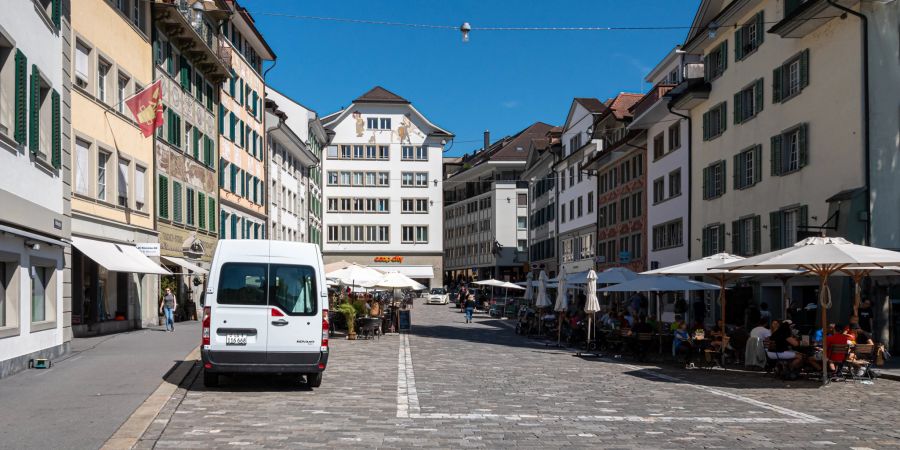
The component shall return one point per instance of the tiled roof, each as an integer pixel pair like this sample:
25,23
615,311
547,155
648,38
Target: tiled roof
517,147
621,104
591,104
379,94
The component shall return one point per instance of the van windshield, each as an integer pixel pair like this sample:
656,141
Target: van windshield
290,288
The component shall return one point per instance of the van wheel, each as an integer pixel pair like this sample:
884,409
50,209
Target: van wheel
210,379
314,380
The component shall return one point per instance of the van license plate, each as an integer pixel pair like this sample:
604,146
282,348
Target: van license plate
235,339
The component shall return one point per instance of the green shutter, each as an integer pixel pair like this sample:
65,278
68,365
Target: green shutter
776,154
736,238
706,126
775,230
723,53
255,101
705,242
724,175
757,164
723,117
56,13
722,237
221,119
759,100
221,172
212,214
210,151
756,237
176,201
706,68
241,94
21,104
196,143
223,223
804,68
231,120
804,146
185,76
739,44
56,131
738,114
760,30
170,59
233,182
34,124
162,204
776,84
738,167
706,182
201,211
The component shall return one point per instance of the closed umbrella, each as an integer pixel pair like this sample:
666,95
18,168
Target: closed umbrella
823,256
543,300
529,293
591,306
562,303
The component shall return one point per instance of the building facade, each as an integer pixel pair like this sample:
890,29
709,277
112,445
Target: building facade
576,187
35,303
242,142
621,181
305,123
486,210
668,151
540,176
190,59
383,187
112,171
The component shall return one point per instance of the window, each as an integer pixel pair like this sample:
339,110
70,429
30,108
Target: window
384,179
242,284
407,153
675,136
668,235
716,61
422,153
713,240
293,289
790,78
659,191
572,209
521,244
675,183
785,224
421,179
571,176
521,223
121,93
370,152
407,179
637,204
102,79
102,163
659,148
749,37
745,236
41,290
562,214
574,143
82,64
358,152
124,176
714,122
590,202
611,209
82,167
372,123
748,102
385,123
714,180
408,234
747,167
790,150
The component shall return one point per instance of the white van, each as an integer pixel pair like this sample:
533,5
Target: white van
266,311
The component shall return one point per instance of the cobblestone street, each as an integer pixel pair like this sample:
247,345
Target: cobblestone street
450,384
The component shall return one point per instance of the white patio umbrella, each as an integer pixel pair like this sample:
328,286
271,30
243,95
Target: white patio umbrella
543,300
355,275
396,280
529,293
659,283
615,275
592,305
823,256
562,303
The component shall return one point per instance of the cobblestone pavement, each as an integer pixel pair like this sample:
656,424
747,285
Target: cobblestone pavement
449,384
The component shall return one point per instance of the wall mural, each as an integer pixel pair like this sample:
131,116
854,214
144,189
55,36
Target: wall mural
401,135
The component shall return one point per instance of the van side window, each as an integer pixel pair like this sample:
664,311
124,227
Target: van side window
293,289
242,284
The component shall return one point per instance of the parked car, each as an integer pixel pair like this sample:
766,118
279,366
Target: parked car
437,296
266,311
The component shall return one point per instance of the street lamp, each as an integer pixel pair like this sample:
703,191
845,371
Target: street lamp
465,29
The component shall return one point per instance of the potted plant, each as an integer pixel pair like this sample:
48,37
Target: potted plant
349,313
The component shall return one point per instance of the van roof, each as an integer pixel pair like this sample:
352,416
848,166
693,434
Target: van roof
299,252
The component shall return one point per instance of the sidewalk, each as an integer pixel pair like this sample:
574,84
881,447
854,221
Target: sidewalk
891,369
81,400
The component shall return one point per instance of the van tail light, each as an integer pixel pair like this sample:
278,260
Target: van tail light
206,318
325,327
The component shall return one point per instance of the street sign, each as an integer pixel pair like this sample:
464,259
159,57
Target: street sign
624,256
148,248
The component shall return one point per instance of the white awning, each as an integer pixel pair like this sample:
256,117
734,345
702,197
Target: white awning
410,271
185,264
117,257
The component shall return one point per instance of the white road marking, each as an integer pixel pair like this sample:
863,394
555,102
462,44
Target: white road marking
408,403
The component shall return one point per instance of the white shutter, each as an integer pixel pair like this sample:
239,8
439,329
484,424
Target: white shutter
82,167
139,184
81,61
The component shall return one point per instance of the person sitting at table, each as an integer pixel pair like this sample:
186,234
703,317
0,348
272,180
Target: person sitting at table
652,323
679,320
718,334
629,317
774,325
681,343
760,331
784,342
859,335
838,336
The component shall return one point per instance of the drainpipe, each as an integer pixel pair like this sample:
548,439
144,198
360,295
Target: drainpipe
690,150
864,22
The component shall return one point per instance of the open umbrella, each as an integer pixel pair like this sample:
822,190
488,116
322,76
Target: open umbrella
591,306
355,275
823,256
615,275
395,280
659,283
562,303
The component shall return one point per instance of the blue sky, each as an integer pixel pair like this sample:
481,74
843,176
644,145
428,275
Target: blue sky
499,80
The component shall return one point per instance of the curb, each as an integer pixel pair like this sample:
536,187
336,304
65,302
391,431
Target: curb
128,434
892,375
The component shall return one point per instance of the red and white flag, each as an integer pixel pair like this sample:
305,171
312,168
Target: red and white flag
147,108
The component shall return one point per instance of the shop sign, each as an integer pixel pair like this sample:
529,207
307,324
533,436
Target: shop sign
389,259
148,248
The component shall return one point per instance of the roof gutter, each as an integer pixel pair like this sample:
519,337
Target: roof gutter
864,22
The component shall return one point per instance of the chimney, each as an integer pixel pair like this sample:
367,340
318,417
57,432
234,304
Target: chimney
487,139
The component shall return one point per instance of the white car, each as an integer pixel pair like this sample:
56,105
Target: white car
437,296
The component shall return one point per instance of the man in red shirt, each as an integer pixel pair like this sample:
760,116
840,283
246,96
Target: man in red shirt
837,337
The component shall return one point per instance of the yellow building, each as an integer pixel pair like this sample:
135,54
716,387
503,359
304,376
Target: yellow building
242,169
114,285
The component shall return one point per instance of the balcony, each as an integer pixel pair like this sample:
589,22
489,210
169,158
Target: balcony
656,93
690,93
198,40
802,17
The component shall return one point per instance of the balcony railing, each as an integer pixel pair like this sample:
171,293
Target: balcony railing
197,38
656,93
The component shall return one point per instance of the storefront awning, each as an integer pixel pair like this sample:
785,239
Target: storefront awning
410,271
186,265
117,257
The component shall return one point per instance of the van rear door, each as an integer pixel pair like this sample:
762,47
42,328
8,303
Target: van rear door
295,322
240,316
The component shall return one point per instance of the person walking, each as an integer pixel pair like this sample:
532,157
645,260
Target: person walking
168,306
470,307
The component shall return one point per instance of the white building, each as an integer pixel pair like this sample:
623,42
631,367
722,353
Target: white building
577,187
383,187
668,205
34,185
305,123
486,210
541,180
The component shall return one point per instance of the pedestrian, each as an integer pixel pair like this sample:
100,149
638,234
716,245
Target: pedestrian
168,306
470,307
866,316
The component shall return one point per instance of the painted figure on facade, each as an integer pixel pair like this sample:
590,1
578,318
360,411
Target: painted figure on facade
360,125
